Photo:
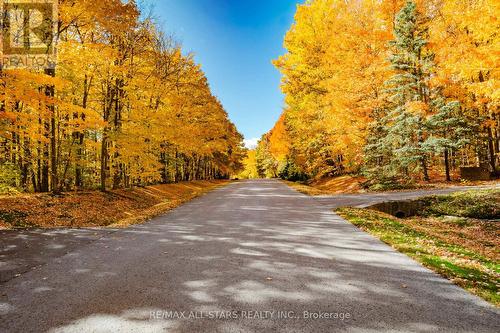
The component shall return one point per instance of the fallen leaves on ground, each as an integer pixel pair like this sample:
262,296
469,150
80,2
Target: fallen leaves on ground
115,208
464,250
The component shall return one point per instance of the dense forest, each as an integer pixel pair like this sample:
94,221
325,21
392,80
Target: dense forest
124,106
399,91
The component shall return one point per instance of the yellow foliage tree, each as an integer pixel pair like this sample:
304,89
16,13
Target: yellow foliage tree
337,63
125,107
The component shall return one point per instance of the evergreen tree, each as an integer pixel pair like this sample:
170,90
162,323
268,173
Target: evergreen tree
449,130
377,153
288,170
408,102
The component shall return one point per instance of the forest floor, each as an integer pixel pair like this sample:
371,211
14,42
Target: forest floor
330,185
116,208
354,184
457,235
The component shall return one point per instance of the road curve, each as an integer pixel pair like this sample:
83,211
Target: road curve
254,256
362,200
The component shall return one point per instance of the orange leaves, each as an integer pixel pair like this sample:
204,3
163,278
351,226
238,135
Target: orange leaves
127,106
336,67
417,108
466,40
279,142
333,74
9,116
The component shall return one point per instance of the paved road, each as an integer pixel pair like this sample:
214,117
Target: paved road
250,246
367,199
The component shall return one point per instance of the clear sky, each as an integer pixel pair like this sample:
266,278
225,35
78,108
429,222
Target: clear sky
235,41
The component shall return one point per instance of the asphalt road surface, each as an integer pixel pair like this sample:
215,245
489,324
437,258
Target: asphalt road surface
254,256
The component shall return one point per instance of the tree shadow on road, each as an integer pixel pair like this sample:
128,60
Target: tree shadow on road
287,254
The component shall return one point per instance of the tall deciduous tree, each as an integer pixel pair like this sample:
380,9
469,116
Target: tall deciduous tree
341,117
125,108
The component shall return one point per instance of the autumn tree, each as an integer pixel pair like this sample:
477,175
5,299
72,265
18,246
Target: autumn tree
332,79
403,110
465,34
125,107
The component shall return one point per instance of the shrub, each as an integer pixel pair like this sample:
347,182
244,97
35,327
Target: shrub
288,170
9,177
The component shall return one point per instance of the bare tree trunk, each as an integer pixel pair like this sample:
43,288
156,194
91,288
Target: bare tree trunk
424,169
104,161
447,165
54,177
491,150
80,136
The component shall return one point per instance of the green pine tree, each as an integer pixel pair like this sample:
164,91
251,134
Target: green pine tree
404,130
378,154
413,64
402,139
449,129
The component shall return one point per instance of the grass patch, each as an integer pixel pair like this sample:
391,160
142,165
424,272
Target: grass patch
118,208
484,204
465,252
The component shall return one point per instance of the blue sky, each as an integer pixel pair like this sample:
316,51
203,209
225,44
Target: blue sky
235,42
